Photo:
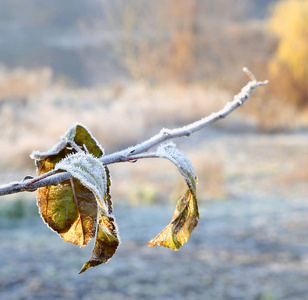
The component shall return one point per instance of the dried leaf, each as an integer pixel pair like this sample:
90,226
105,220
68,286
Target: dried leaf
70,210
89,171
80,208
96,177
182,224
78,136
106,241
185,217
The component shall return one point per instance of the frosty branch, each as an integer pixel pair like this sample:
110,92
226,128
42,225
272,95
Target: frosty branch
133,153
73,185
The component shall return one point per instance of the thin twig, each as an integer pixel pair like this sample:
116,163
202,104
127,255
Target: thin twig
132,153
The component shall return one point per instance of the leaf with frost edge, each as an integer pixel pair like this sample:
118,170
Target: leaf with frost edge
89,171
81,166
72,141
183,163
185,217
65,140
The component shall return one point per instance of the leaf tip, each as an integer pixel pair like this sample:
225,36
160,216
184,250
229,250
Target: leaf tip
84,268
89,264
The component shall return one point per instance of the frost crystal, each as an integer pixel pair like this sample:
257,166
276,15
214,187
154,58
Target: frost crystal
89,170
67,139
183,163
71,134
53,151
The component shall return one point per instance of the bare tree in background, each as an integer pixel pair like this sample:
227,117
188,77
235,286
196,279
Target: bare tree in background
152,39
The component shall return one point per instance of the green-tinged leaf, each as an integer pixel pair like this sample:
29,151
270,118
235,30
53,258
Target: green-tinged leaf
185,217
83,138
89,170
182,224
107,196
70,210
75,139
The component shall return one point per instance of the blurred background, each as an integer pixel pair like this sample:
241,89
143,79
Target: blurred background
125,69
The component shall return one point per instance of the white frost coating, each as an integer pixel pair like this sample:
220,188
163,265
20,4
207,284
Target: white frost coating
71,133
89,170
53,151
67,138
183,163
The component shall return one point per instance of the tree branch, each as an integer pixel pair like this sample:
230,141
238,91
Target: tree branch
131,153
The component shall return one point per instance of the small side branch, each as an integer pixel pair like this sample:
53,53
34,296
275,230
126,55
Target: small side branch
134,152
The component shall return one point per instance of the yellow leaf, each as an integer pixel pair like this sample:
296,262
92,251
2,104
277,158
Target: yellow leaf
182,224
185,217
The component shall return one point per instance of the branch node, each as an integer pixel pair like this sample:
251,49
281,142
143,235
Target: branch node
165,131
27,177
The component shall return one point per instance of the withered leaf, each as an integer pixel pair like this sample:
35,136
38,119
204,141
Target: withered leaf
70,210
96,177
89,171
106,240
80,208
77,135
185,217
182,224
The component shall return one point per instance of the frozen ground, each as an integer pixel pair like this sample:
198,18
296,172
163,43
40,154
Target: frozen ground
241,249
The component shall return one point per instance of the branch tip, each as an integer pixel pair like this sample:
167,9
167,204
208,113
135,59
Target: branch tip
251,76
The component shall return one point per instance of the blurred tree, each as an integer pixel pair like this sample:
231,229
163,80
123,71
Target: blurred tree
158,37
150,40
184,41
289,66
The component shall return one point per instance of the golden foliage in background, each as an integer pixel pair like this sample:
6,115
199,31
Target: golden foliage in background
289,66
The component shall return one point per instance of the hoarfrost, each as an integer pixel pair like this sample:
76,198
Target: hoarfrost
183,163
53,151
89,170
67,139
